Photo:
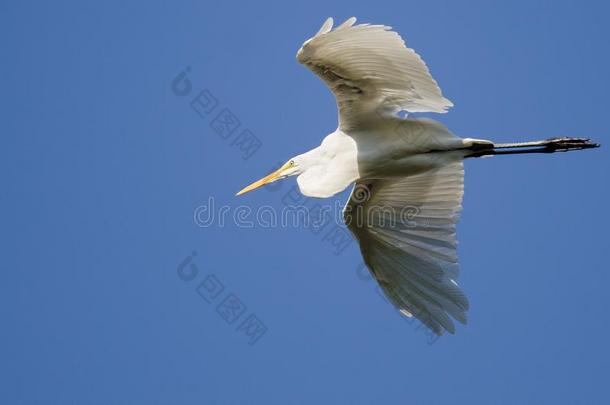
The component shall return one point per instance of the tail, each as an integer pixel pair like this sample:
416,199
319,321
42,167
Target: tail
551,145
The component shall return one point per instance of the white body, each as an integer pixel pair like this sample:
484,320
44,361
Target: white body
401,148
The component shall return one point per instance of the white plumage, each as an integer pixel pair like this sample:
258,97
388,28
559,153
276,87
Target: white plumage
370,71
407,238
408,173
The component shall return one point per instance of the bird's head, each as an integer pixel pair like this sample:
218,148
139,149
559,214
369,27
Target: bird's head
293,167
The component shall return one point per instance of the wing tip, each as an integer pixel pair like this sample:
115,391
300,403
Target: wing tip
326,27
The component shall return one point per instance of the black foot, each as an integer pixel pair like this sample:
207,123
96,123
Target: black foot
565,144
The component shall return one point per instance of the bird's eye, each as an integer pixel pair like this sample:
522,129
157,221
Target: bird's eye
291,163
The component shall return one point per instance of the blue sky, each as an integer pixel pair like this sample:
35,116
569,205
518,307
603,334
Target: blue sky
103,166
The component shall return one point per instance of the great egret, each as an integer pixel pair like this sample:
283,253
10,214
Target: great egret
408,172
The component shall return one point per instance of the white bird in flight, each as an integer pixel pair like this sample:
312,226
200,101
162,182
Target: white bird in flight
408,173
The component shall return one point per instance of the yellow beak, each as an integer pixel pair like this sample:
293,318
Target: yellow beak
265,180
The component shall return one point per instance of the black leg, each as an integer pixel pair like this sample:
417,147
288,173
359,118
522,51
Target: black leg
547,146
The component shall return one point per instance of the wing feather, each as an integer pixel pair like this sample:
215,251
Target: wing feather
406,231
371,72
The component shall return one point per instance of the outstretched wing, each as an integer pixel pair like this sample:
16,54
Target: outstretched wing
406,231
371,72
